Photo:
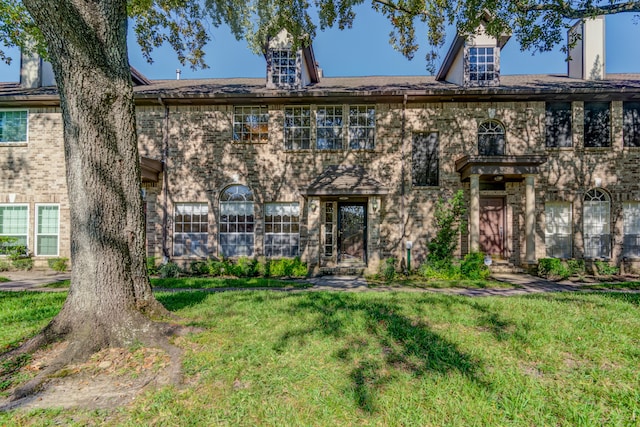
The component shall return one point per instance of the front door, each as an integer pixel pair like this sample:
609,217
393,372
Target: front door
352,236
492,226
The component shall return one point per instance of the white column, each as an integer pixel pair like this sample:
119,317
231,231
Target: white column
474,214
530,218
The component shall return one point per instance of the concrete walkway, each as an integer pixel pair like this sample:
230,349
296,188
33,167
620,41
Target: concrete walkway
31,280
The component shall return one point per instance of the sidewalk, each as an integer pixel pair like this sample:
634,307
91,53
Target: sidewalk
31,280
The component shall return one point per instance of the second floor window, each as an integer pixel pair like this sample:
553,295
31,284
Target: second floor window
362,127
251,124
482,65
597,124
491,139
424,158
284,70
558,124
329,128
13,126
631,124
297,128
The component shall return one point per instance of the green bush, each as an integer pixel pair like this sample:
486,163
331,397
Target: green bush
199,268
576,267
473,267
605,269
169,270
25,263
4,265
152,267
388,269
552,268
58,264
244,267
447,221
439,271
287,267
262,267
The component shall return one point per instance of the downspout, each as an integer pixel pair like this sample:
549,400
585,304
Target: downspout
402,173
165,180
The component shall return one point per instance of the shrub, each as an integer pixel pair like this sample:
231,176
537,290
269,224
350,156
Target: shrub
605,269
287,267
552,268
24,263
448,221
262,267
299,268
473,267
152,267
576,266
169,270
388,269
4,265
439,271
244,267
215,267
199,268
58,264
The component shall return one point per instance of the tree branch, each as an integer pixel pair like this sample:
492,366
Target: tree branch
395,6
566,11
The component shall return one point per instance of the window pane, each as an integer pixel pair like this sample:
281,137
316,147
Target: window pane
631,242
425,159
251,124
558,124
190,229
631,124
281,229
597,124
558,235
13,126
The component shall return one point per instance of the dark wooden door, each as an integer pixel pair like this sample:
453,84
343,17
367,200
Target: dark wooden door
352,226
492,226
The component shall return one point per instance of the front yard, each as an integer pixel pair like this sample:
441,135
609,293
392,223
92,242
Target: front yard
338,358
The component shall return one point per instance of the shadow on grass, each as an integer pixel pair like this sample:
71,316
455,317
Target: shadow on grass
174,301
390,341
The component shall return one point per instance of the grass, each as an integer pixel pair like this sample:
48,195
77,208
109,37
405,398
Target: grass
59,285
338,358
4,279
422,283
219,282
628,286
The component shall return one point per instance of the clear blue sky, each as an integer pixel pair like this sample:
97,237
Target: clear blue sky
364,50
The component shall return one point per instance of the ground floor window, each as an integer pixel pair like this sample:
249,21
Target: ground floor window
14,224
282,229
191,229
47,229
631,243
558,234
597,220
236,221
328,229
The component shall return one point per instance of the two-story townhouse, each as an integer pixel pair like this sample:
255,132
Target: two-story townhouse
346,171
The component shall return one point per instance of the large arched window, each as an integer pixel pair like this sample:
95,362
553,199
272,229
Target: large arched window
236,221
491,139
597,224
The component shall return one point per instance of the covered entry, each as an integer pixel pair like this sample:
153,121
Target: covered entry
492,226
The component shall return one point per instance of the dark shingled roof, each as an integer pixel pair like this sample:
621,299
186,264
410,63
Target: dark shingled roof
344,180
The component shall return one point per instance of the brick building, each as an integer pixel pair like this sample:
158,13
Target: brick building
345,171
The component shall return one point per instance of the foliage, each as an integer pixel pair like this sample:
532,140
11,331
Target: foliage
152,266
170,269
576,267
223,282
244,267
447,221
388,269
552,268
434,271
4,265
473,267
287,267
199,268
58,264
605,269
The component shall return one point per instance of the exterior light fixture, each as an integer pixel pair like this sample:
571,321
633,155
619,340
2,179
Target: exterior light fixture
374,204
498,178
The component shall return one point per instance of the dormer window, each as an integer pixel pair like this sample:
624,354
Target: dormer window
483,66
284,68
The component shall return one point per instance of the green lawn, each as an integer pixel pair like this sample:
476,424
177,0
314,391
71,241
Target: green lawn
4,279
422,283
627,286
220,282
338,358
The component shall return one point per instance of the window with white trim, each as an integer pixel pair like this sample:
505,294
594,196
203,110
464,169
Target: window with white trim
47,230
631,243
597,224
491,140
191,229
297,128
329,127
14,224
284,69
558,235
282,229
483,68
236,221
251,124
631,124
13,126
362,127
328,229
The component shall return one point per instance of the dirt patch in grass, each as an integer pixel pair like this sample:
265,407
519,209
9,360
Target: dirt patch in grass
111,378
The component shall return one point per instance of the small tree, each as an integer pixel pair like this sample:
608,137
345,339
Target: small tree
448,221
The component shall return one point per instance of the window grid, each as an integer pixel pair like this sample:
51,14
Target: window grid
191,229
14,223
47,230
237,223
282,230
558,124
597,122
297,128
631,242
491,141
13,126
362,126
329,127
425,159
558,235
482,68
597,234
631,124
328,229
251,124
284,68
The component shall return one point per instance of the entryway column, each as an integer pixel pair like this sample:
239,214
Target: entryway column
530,218
474,214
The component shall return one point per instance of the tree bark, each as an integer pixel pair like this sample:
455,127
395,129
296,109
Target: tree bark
110,297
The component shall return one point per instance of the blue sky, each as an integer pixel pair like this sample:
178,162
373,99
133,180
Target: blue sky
364,50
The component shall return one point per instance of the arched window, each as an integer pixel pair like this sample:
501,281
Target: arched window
491,139
597,228
236,221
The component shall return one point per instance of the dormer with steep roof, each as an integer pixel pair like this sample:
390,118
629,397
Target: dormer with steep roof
289,69
473,60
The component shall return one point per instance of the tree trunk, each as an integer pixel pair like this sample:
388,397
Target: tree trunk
110,295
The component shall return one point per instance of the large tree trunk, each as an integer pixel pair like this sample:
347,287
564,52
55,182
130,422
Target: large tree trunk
110,297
